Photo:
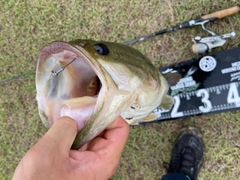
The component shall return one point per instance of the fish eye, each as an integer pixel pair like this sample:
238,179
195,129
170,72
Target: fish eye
101,49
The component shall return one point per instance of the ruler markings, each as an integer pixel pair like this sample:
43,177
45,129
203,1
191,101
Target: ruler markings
219,103
200,92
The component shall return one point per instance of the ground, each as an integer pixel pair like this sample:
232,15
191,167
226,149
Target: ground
27,26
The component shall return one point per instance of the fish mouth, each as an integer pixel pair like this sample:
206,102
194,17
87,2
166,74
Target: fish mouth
73,92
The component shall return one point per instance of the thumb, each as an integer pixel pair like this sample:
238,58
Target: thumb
61,135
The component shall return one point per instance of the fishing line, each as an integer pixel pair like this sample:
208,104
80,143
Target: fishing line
199,21
33,72
61,69
17,77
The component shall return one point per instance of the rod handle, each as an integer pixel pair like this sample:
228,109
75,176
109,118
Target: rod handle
222,13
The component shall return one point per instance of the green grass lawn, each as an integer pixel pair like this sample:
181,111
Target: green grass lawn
27,26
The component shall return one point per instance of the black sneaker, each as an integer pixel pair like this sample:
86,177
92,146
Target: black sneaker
188,152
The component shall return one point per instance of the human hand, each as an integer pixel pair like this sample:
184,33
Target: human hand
51,157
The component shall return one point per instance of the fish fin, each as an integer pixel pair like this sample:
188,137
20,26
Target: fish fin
132,122
150,117
172,78
167,102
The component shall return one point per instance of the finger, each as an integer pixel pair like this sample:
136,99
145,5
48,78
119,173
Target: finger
104,152
115,139
61,135
116,134
114,124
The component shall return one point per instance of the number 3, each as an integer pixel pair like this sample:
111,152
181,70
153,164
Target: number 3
207,104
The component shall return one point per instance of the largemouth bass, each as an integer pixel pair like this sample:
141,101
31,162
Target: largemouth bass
95,82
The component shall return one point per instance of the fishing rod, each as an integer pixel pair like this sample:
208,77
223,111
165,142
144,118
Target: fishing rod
199,21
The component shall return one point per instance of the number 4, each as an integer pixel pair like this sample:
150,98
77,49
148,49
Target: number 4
233,95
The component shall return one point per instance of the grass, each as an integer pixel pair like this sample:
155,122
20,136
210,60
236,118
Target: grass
27,26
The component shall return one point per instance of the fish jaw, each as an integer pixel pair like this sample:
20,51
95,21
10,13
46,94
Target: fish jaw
129,90
73,82
66,98
131,86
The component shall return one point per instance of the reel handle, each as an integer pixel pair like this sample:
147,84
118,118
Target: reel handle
222,13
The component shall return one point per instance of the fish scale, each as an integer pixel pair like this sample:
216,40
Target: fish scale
95,82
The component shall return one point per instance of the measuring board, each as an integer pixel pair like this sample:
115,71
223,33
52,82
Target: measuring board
208,84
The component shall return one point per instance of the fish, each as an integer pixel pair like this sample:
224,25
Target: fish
94,82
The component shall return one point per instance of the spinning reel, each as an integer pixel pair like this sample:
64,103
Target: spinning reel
206,44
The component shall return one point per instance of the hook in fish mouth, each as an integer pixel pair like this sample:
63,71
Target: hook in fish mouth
95,82
73,87
55,73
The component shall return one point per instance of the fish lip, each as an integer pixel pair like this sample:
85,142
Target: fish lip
55,47
59,46
97,121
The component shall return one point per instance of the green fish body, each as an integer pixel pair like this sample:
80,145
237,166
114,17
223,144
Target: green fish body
94,82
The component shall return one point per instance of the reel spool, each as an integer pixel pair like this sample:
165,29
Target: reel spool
206,44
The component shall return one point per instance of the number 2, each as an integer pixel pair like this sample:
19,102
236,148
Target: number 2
175,112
